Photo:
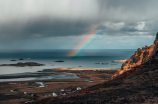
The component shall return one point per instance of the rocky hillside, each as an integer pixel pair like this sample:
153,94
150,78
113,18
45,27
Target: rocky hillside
140,56
138,85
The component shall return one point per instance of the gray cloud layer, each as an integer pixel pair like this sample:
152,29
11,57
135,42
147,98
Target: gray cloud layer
22,19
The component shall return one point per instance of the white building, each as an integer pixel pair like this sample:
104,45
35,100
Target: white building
54,94
78,88
62,90
63,93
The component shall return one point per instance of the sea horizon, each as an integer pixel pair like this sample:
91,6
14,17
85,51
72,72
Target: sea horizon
87,59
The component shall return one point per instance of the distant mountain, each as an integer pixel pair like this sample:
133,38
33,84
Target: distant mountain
136,84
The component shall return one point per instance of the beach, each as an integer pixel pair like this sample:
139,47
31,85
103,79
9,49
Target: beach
28,91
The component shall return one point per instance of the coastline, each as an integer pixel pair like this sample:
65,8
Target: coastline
79,69
19,91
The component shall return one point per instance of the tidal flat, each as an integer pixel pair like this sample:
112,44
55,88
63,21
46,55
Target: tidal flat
27,91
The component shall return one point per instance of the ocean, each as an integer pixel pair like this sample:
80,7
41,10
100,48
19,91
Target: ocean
86,59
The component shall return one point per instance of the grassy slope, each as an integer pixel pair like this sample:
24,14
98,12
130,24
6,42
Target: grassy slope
139,85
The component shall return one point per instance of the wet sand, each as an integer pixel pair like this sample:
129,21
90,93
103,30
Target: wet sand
25,91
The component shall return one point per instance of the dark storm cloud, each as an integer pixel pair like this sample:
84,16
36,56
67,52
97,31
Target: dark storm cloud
43,27
56,28
46,18
51,18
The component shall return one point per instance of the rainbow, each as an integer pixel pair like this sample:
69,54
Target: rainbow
85,42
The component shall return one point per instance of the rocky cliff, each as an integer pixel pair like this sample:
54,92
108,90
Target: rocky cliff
137,84
140,56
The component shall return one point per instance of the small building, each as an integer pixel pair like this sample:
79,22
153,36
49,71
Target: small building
68,90
78,88
62,90
54,94
13,90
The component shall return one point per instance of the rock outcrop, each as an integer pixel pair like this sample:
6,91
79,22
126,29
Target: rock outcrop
23,64
137,84
140,56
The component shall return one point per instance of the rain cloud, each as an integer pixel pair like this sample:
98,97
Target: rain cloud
31,19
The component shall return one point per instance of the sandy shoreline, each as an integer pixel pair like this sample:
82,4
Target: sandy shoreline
17,92
65,69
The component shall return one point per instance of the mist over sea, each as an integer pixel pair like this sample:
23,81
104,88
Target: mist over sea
86,59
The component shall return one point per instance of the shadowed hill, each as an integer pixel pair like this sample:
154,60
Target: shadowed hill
140,56
137,84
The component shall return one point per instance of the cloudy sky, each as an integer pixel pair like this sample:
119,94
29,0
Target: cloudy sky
63,24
